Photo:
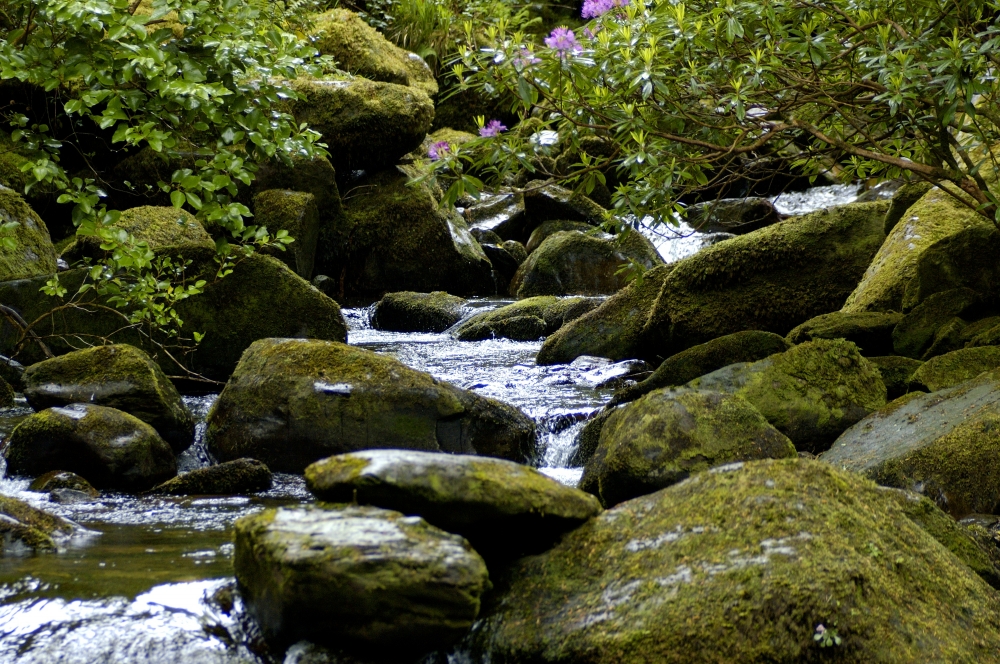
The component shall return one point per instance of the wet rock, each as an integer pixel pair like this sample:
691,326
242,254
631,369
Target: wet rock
517,250
366,124
961,260
811,393
118,376
732,215
915,333
871,331
588,440
501,214
326,285
22,525
360,49
12,372
747,346
61,479
33,254
6,394
111,448
417,312
956,367
296,213
572,263
238,477
896,373
667,435
502,508
395,237
545,202
504,266
903,200
359,578
163,229
942,445
485,237
768,550
526,320
291,402
547,228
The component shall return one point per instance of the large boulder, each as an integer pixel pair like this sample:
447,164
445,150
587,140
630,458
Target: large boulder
358,578
547,228
903,200
943,445
240,476
365,124
360,49
916,332
668,435
811,393
955,367
545,202
732,215
24,526
393,237
871,331
32,254
576,263
118,376
417,312
501,507
747,563
291,402
111,448
296,213
164,229
525,320
896,372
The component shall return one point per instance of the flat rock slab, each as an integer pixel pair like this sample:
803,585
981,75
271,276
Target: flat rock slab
359,578
501,507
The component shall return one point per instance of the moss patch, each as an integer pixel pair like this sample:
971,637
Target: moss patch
896,373
295,212
870,331
33,254
526,320
956,367
407,311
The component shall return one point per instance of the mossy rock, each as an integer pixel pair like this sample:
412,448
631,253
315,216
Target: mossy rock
732,215
314,175
33,254
118,376
504,265
915,333
904,198
545,202
935,216
359,49
394,237
111,448
163,229
617,329
670,577
22,525
452,137
501,213
6,394
574,263
365,124
502,508
417,312
961,260
62,479
291,402
811,393
360,578
942,445
237,477
772,279
871,331
295,212
956,367
685,366
517,250
896,372
547,228
525,320
262,298
667,435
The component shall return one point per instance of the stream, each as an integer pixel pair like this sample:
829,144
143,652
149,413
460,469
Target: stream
148,579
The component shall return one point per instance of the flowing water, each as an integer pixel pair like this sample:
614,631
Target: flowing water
149,579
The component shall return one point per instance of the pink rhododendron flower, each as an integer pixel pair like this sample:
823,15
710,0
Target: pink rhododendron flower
564,41
595,8
492,128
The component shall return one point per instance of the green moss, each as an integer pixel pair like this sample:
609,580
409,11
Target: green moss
547,228
241,476
896,373
315,176
915,333
296,213
60,479
164,229
871,331
904,198
33,253
407,311
34,518
956,367
525,320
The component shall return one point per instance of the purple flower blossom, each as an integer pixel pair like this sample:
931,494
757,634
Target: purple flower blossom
595,8
564,41
526,58
591,34
492,128
438,150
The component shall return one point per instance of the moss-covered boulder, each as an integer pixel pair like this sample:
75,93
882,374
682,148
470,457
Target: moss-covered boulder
935,216
732,215
517,250
118,376
896,372
811,393
366,124
111,448
6,394
744,565
943,445
575,263
394,237
871,331
956,367
525,320
667,435
33,253
502,508
296,213
62,479
547,228
903,200
24,526
417,312
261,298
746,346
237,477
291,402
359,578
313,175
360,49
545,202
164,229
915,333
961,260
